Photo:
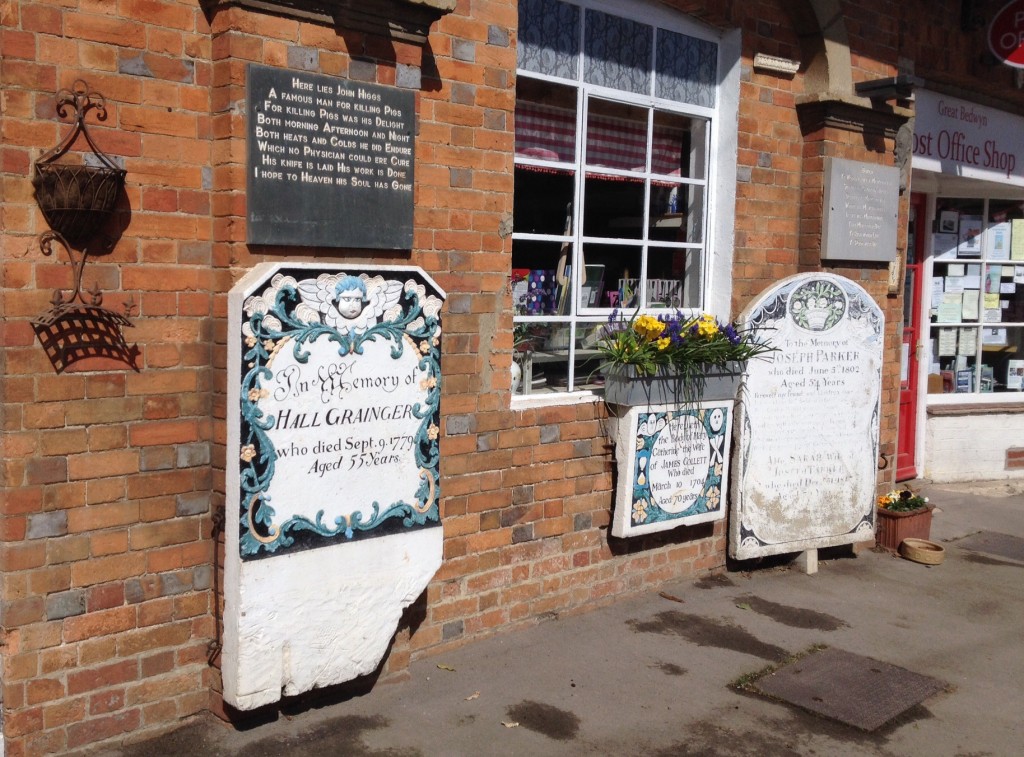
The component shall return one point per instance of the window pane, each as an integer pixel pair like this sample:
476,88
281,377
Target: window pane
954,353
960,224
543,201
687,69
619,268
545,121
1003,297
549,38
1002,359
677,213
679,146
617,53
956,296
673,278
613,207
554,367
635,188
616,136
539,278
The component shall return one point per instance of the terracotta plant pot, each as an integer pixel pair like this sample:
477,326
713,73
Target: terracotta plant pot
894,527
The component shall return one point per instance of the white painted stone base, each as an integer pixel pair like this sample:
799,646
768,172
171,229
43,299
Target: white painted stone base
318,617
971,447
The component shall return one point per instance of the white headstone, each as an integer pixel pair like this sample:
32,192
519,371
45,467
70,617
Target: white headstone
332,474
808,419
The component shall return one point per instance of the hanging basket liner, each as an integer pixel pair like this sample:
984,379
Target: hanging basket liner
77,200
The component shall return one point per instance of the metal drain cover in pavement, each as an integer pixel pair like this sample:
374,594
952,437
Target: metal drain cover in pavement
994,543
852,689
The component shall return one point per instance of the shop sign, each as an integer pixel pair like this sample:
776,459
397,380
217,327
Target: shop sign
1006,34
961,138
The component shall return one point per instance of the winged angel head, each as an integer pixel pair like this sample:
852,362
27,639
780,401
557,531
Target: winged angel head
348,304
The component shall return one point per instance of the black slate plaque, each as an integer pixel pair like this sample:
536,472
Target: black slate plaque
330,161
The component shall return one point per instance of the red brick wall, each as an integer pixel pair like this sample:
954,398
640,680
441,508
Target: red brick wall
111,477
106,562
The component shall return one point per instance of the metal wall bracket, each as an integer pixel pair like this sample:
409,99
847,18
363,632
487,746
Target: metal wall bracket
77,200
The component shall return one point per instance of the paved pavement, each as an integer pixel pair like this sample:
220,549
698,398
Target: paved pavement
652,675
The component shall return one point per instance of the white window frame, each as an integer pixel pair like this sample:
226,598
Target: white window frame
719,182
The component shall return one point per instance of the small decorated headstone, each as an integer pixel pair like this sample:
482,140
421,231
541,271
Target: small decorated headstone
673,466
808,419
333,470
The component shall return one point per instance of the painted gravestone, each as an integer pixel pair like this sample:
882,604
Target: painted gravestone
332,474
808,419
673,466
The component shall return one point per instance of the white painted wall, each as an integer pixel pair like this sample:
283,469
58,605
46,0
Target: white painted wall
971,447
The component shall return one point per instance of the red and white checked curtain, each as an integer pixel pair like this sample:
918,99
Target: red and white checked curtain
549,133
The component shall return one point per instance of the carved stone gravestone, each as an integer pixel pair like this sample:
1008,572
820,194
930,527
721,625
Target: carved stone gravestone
332,472
673,466
808,419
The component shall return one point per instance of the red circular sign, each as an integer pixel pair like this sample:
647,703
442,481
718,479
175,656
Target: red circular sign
1006,34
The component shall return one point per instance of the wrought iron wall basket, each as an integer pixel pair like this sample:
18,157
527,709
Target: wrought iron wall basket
77,199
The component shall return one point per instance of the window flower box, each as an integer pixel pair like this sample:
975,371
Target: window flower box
624,385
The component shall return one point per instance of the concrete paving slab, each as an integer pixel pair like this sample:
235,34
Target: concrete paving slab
993,543
654,675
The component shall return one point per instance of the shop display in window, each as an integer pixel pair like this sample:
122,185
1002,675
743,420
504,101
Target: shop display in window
977,304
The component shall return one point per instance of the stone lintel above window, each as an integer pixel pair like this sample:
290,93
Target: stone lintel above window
403,20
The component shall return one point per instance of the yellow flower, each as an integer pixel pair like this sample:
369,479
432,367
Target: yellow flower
248,452
648,327
663,343
255,395
707,326
432,431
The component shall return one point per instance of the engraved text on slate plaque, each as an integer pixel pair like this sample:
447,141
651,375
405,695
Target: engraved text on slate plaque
330,161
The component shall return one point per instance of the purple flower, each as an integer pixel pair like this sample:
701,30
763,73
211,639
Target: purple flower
674,328
731,335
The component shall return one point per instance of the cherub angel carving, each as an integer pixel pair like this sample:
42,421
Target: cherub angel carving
349,303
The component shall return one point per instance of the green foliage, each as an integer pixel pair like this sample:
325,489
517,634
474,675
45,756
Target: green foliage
676,342
904,501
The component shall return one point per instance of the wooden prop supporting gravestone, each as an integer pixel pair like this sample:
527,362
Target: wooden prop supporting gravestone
808,420
332,471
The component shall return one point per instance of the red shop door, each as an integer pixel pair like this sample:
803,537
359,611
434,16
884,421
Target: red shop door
906,462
